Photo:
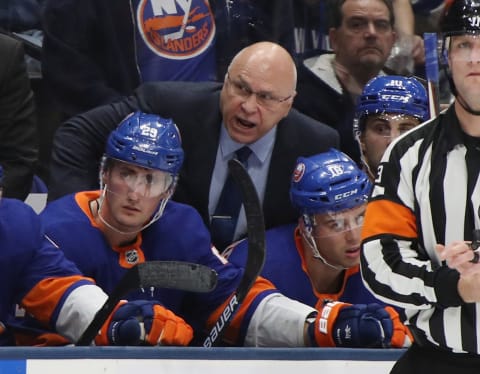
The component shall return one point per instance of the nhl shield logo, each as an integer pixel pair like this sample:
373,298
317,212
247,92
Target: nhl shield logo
131,256
176,29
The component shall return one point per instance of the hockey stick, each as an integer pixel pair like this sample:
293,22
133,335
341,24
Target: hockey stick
256,250
162,274
431,72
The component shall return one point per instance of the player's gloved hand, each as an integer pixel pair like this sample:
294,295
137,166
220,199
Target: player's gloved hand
142,322
401,337
345,325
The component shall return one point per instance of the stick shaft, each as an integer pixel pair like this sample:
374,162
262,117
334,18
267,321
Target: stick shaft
432,73
256,250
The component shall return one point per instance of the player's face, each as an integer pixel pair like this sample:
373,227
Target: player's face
464,60
379,132
254,100
337,236
133,194
365,37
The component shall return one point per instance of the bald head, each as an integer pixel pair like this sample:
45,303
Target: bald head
269,60
258,91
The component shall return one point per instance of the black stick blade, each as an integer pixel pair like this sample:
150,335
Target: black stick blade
177,275
160,274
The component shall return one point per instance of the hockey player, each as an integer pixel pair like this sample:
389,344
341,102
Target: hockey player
321,253
37,276
389,106
131,220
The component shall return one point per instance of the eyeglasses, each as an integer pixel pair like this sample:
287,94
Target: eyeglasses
264,99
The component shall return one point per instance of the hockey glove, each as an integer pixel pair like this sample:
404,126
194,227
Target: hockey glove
345,325
402,337
142,322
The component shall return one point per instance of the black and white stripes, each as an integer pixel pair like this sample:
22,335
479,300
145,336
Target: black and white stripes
428,192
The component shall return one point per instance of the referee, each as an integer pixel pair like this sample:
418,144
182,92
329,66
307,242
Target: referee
420,221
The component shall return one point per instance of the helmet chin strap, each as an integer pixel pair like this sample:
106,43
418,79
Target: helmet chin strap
363,159
466,106
306,232
155,217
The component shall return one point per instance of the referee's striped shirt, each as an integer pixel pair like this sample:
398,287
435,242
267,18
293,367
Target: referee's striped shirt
427,192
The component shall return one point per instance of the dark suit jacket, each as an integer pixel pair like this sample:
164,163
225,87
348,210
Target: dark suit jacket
79,144
18,126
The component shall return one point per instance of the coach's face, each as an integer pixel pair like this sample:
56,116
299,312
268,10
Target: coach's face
258,91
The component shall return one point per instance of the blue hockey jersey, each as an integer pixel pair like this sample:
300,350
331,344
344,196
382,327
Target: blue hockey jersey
35,275
284,267
179,235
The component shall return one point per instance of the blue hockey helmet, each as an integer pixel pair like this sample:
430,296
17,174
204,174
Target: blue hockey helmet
147,140
328,182
392,94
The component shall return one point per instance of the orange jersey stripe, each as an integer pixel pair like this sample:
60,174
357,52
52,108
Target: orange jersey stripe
42,300
233,330
384,216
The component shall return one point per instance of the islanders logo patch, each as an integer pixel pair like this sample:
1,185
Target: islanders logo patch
298,172
176,29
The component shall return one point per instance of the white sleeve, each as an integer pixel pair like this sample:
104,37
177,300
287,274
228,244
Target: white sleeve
278,322
78,311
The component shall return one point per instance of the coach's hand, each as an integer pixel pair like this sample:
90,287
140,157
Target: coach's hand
144,322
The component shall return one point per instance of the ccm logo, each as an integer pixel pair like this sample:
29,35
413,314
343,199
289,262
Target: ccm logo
402,99
341,196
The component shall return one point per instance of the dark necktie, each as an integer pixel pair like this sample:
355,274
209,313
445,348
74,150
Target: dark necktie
224,219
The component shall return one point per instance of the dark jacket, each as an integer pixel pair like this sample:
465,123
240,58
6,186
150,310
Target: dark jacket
333,106
18,131
80,142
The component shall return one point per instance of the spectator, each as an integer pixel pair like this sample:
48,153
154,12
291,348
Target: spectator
389,106
96,51
408,52
240,23
310,33
253,107
131,220
36,275
421,218
19,145
361,36
321,253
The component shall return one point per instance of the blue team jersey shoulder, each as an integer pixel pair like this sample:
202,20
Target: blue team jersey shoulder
27,256
17,217
283,266
184,236
69,227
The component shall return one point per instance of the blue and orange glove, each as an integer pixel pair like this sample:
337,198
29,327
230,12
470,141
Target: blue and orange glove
355,326
143,322
401,337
